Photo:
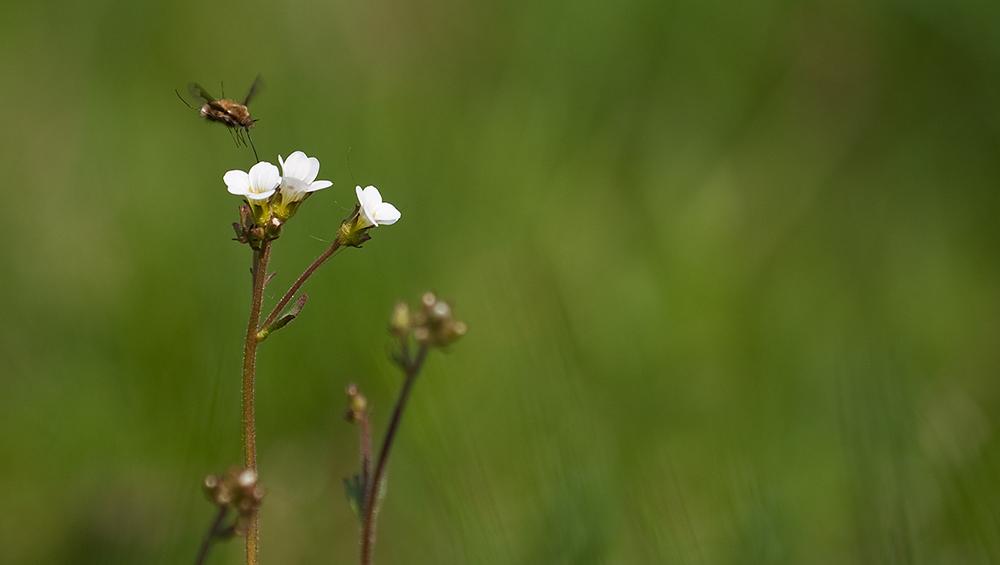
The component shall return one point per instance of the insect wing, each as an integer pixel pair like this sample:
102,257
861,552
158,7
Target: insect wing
199,93
257,83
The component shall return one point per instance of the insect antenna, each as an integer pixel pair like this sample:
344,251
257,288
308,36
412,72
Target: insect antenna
183,100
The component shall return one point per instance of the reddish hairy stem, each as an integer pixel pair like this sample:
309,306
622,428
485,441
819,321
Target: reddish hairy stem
371,487
259,272
300,281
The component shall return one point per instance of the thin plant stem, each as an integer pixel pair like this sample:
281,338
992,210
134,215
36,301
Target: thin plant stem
365,438
213,532
259,272
300,281
412,369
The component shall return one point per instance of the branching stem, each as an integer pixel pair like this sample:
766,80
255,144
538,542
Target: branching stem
213,533
411,368
300,281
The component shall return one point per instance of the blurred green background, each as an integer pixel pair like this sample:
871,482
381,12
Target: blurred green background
730,271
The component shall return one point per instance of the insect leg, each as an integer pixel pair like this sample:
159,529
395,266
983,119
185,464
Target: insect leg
255,157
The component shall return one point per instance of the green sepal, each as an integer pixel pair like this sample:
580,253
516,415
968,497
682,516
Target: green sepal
354,488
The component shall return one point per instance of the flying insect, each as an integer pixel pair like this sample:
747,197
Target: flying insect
234,115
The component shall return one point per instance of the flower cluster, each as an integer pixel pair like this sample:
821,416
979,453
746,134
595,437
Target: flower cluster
238,490
273,197
432,325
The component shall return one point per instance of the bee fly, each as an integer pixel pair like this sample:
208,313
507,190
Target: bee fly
232,114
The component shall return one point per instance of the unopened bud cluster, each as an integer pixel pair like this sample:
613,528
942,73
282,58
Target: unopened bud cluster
254,230
432,325
237,490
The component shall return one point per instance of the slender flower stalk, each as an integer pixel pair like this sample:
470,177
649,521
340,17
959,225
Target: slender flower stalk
259,274
372,486
300,281
213,533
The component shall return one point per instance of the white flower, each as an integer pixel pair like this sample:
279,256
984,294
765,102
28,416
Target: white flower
374,212
259,184
299,177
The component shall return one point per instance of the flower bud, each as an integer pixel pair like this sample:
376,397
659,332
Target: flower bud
399,323
357,404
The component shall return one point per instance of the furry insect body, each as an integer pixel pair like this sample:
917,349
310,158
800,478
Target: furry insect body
230,113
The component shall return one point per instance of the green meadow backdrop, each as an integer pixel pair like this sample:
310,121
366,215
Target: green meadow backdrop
730,272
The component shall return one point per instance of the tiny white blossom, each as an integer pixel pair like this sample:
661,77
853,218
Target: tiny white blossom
374,212
259,184
299,177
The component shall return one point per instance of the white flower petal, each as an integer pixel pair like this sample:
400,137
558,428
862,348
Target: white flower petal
301,167
293,166
319,185
369,197
299,172
386,214
375,212
311,169
237,182
264,177
259,195
365,218
293,186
